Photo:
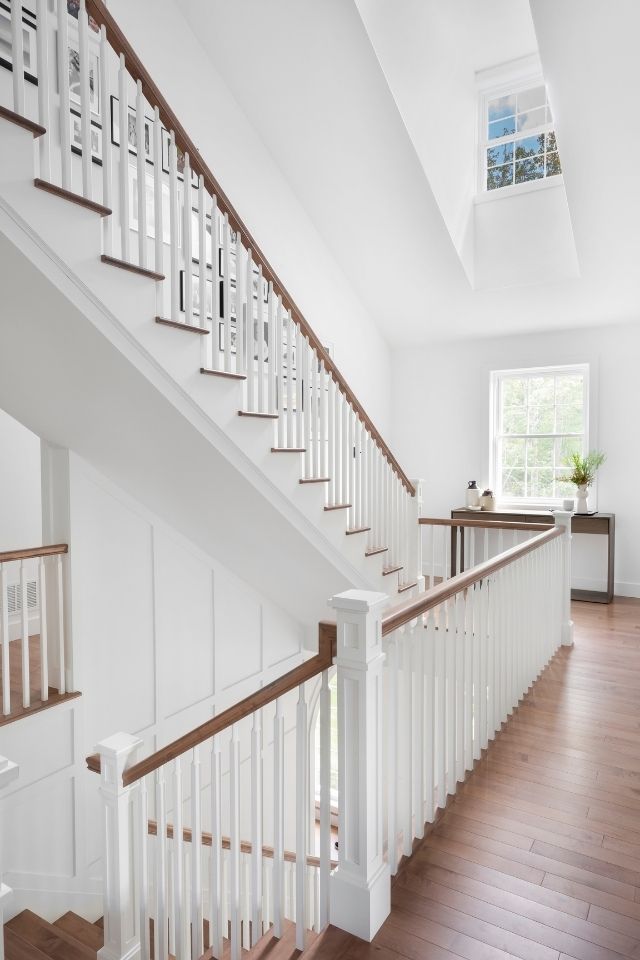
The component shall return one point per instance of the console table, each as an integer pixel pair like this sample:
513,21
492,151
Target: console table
603,524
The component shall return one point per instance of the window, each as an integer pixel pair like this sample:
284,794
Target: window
540,417
518,140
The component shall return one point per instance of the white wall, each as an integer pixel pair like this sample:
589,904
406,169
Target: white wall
256,187
164,636
441,420
20,499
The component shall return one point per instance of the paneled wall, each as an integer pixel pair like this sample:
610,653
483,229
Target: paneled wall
163,637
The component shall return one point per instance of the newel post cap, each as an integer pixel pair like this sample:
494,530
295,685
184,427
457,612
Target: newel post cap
359,601
563,518
116,754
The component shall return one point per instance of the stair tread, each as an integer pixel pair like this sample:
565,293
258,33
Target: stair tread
179,325
288,449
407,586
338,506
227,374
259,416
375,551
353,530
131,267
53,941
387,571
20,121
315,480
87,933
73,197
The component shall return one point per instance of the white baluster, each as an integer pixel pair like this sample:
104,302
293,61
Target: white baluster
85,102
272,349
202,256
459,684
291,375
17,56
141,177
241,312
107,162
260,343
323,434
216,910
6,669
174,228
63,87
407,741
307,400
161,929
143,881
278,821
121,920
24,621
187,246
157,195
302,803
44,644
441,715
123,172
226,298
430,717
280,347
249,323
256,828
325,799
234,856
563,519
419,726
42,48
62,683
392,754
300,387
197,944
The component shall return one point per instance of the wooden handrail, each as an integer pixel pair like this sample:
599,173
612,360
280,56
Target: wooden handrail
120,44
50,551
485,524
405,612
245,845
244,708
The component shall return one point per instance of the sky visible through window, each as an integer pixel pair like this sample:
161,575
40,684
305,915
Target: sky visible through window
520,140
540,422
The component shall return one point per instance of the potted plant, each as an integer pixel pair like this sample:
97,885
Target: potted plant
583,474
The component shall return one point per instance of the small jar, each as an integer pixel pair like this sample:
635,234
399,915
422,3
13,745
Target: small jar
473,494
487,500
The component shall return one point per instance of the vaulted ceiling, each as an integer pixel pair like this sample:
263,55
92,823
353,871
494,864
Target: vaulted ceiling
369,109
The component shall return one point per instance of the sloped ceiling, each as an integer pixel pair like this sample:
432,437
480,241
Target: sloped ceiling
310,78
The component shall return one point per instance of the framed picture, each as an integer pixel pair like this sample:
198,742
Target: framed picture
234,334
150,205
195,294
30,61
73,8
221,340
165,141
74,71
132,131
95,137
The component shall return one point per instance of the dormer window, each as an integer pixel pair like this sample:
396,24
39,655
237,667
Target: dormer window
518,140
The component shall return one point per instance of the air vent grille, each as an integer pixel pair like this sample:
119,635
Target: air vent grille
14,597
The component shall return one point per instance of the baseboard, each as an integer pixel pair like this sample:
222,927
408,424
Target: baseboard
51,904
621,588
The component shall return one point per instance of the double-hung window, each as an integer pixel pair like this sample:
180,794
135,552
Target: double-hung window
540,417
518,142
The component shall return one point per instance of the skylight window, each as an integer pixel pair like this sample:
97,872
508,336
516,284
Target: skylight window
519,142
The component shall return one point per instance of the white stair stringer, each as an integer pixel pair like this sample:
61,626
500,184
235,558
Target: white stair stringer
83,363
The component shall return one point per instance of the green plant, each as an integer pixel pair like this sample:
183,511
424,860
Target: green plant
584,468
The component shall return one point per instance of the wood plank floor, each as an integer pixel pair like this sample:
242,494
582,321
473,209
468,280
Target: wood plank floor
539,855
15,683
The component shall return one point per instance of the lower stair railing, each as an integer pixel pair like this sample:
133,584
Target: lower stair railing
196,835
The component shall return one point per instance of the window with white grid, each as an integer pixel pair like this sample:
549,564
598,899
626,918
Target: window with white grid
540,417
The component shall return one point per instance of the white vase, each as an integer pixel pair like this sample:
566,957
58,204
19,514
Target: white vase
582,491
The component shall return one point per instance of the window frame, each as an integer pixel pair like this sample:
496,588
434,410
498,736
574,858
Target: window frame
511,84
496,379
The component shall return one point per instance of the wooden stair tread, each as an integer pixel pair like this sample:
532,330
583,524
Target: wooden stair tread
387,571
87,933
407,586
259,416
288,449
375,551
131,267
338,506
76,198
227,374
37,705
314,480
52,941
21,121
18,949
178,325
350,533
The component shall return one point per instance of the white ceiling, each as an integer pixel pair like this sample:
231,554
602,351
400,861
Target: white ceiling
368,107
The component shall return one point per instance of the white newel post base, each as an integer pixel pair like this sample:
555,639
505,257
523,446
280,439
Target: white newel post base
360,886
121,933
563,519
8,772
415,533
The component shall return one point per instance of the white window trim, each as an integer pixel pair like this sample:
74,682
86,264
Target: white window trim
531,503
499,82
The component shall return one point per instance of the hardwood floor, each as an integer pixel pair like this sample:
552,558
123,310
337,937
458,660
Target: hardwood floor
15,681
538,857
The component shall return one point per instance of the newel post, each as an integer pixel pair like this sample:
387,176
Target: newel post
8,772
415,536
360,886
121,928
563,519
